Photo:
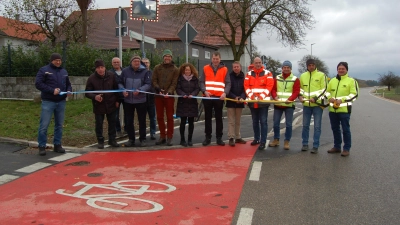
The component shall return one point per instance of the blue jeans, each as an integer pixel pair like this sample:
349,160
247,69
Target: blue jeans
259,117
343,119
277,121
48,109
316,112
151,110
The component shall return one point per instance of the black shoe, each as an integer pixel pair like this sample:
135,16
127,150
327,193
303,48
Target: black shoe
232,142
161,141
190,143
143,143
152,137
207,141
220,142
169,142
59,149
183,143
255,142
113,143
262,146
100,142
129,143
42,151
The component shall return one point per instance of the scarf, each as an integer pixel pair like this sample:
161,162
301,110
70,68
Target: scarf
188,78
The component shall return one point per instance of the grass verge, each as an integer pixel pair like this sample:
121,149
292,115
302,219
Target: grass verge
389,94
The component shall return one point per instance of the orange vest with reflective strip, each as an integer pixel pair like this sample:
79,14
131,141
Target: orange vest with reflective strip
215,84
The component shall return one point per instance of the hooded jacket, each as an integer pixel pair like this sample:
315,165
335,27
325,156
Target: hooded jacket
49,78
135,79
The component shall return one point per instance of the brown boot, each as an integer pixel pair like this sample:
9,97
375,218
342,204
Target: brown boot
345,153
274,143
286,146
334,150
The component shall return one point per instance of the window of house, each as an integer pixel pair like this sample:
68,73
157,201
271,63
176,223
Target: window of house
207,54
195,52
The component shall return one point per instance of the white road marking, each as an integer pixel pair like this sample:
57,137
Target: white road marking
65,156
33,167
255,171
245,216
7,178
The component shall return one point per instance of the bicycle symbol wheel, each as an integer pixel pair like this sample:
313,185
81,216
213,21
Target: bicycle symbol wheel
127,185
103,202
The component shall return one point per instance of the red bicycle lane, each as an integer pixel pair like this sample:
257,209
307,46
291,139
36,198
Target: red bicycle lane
182,186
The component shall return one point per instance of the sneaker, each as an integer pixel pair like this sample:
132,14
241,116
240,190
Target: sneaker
286,145
334,150
207,141
59,149
314,150
240,141
152,137
304,148
161,141
169,142
42,151
345,153
220,142
255,142
129,143
262,146
232,142
143,143
274,143
113,143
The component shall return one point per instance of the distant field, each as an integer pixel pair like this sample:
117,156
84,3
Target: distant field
389,94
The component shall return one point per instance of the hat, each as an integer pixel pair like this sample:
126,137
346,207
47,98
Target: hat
136,57
55,56
99,62
287,63
310,61
343,64
166,52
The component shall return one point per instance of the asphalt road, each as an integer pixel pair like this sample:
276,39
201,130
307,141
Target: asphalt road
297,187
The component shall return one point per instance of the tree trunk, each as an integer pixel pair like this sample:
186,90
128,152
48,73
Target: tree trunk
84,25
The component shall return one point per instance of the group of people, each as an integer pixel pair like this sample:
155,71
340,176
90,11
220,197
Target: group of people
151,92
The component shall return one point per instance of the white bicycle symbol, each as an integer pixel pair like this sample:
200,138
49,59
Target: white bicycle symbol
127,188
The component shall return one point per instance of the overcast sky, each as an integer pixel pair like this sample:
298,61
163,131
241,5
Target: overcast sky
364,33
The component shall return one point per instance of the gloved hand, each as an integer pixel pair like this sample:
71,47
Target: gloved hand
336,105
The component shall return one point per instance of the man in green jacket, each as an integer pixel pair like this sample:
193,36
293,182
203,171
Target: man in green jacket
312,93
342,91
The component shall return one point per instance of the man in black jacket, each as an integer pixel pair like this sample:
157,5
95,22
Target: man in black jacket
103,103
235,108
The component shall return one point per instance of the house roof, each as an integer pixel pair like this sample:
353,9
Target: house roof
166,29
11,31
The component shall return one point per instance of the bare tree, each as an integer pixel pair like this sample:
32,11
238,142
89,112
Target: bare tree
321,66
389,79
84,5
50,15
232,20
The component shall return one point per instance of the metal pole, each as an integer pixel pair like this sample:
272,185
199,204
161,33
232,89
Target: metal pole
120,33
311,48
187,43
143,53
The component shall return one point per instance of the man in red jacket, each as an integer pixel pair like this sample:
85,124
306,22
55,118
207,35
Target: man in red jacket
286,88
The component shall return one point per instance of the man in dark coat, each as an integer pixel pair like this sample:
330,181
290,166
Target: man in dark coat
51,80
103,103
235,108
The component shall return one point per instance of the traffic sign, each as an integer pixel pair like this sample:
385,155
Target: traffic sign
137,36
263,59
191,33
124,17
124,31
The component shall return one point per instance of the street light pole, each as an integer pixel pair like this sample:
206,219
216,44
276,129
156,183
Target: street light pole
311,48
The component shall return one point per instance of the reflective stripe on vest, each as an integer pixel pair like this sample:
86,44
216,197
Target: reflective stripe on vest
215,84
285,88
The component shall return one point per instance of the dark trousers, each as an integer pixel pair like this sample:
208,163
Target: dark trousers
217,105
111,118
129,110
182,126
151,110
341,120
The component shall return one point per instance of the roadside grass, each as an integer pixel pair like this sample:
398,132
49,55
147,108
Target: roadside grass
389,94
20,119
